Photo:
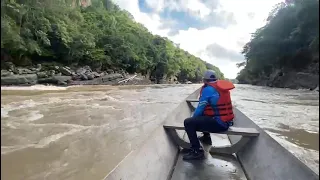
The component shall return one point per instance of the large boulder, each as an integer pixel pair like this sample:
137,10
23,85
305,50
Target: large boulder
62,78
42,74
84,70
30,79
48,80
110,71
25,71
83,77
81,71
76,77
95,74
5,73
90,76
9,66
87,68
65,71
51,72
59,80
111,77
39,66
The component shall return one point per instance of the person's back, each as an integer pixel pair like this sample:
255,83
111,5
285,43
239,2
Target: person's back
213,114
217,94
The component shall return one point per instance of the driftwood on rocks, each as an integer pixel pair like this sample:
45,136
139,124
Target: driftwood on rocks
64,75
128,79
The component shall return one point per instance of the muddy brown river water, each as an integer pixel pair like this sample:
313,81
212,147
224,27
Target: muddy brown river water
83,132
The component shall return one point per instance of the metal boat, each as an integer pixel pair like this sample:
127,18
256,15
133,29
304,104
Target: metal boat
160,158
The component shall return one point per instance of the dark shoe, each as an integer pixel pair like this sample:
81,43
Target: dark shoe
194,155
205,139
188,150
185,150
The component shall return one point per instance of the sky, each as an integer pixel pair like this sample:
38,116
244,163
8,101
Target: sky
214,30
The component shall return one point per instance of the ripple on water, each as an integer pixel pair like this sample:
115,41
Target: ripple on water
34,115
300,137
291,116
308,156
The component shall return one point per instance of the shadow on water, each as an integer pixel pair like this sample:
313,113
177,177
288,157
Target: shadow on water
299,137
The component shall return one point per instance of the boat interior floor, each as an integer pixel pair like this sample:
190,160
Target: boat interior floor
213,166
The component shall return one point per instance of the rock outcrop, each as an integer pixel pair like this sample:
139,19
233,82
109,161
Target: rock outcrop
59,75
27,79
307,79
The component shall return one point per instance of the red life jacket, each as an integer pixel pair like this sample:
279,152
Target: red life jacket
224,105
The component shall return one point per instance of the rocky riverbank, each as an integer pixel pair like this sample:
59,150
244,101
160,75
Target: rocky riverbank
288,78
64,76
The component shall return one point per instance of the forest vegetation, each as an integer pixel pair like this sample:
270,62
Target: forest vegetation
100,35
285,52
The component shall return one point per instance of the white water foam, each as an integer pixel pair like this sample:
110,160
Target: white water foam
35,87
104,107
53,138
107,97
44,142
4,113
9,149
5,109
34,115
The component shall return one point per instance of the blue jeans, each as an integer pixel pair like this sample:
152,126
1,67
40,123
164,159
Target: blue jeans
202,123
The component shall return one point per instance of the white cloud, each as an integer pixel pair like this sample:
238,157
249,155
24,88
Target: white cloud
197,8
229,68
233,37
194,40
194,7
156,5
151,21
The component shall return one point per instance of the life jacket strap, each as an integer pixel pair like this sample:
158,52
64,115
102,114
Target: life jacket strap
223,114
227,104
229,108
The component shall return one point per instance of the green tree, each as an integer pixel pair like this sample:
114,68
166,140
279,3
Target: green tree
100,35
289,41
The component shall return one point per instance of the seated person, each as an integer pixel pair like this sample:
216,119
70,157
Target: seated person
214,113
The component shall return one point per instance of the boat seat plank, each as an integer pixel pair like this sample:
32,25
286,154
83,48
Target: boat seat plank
192,100
231,131
246,135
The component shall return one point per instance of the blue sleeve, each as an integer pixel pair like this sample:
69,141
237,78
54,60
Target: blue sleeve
209,95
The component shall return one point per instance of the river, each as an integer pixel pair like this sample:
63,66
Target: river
83,132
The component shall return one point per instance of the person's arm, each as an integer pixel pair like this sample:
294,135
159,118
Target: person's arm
209,95
203,101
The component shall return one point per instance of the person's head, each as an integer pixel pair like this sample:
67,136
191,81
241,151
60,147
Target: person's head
209,76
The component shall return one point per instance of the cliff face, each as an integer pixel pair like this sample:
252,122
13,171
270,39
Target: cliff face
289,78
